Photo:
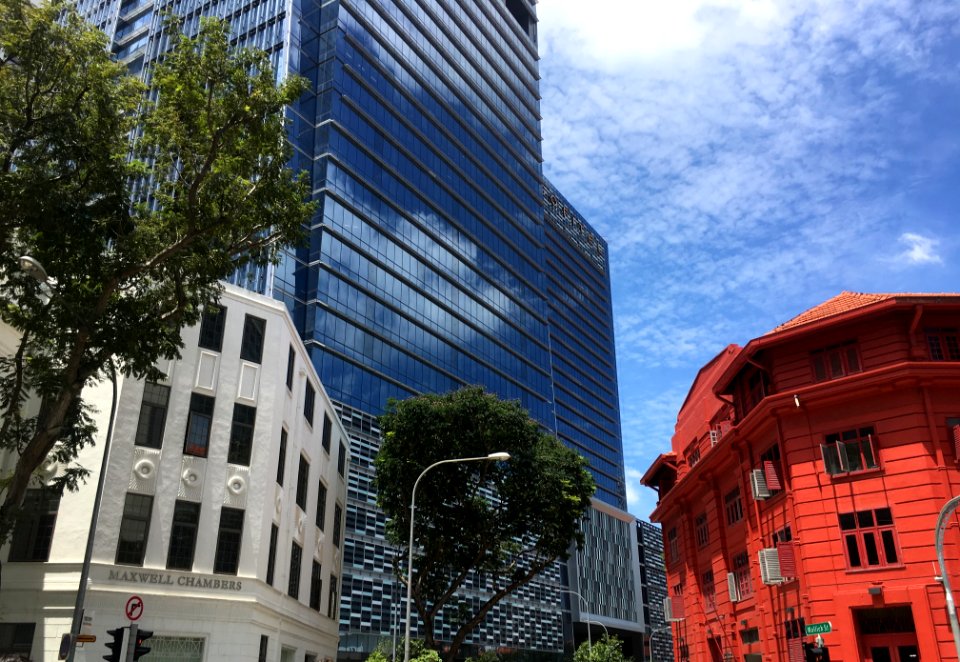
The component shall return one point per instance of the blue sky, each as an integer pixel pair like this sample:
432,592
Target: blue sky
746,161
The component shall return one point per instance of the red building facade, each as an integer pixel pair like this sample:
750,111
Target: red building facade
807,473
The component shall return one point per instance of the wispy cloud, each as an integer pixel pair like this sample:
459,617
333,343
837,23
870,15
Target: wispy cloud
647,418
747,159
642,499
920,249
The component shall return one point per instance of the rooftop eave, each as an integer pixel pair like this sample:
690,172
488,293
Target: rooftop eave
663,462
777,337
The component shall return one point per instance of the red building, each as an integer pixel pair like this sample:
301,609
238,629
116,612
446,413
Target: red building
807,474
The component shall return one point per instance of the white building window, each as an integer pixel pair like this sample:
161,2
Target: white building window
179,649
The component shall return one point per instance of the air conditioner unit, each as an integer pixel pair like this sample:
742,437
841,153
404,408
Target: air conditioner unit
733,588
672,614
770,567
758,485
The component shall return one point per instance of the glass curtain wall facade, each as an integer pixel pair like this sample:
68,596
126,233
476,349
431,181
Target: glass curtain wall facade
423,269
581,338
426,264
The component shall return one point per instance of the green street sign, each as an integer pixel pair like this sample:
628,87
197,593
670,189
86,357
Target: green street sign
818,628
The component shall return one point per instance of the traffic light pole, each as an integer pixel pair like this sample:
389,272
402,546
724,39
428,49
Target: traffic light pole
88,552
132,646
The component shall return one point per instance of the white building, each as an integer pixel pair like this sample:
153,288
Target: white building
222,511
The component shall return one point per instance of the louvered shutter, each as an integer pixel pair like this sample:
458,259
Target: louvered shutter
770,567
732,587
795,650
956,441
758,485
787,556
678,613
770,473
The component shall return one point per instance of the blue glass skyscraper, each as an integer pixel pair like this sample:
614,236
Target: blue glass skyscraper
583,357
429,264
424,269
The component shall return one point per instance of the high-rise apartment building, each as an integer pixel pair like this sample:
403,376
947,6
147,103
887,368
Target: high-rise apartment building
429,264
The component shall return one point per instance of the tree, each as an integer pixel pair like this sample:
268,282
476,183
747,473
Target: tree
136,202
506,520
608,649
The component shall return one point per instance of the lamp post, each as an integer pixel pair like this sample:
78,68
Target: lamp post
492,457
664,628
33,268
588,622
585,607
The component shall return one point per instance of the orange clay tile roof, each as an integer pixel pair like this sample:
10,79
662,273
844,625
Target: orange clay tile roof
845,302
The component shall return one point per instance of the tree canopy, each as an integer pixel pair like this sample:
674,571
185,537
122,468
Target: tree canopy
506,520
137,202
607,649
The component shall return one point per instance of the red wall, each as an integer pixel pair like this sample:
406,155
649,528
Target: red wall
906,398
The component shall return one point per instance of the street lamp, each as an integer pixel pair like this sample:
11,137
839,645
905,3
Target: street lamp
664,628
585,608
32,267
588,622
492,457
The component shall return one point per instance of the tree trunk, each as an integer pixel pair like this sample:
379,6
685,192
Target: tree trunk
33,455
470,625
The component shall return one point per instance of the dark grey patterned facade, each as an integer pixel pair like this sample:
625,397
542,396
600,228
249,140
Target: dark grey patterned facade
373,601
653,588
604,568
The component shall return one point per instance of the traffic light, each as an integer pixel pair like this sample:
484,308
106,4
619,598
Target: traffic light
139,650
816,653
115,646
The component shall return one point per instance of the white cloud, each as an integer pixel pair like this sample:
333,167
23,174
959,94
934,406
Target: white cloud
920,249
647,419
615,32
744,158
641,500
747,159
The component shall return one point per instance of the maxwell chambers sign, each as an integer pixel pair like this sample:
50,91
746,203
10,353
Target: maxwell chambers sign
145,577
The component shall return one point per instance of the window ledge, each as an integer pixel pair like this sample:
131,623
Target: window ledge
876,568
773,498
853,475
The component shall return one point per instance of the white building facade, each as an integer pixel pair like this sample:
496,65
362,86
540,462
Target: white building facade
222,513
